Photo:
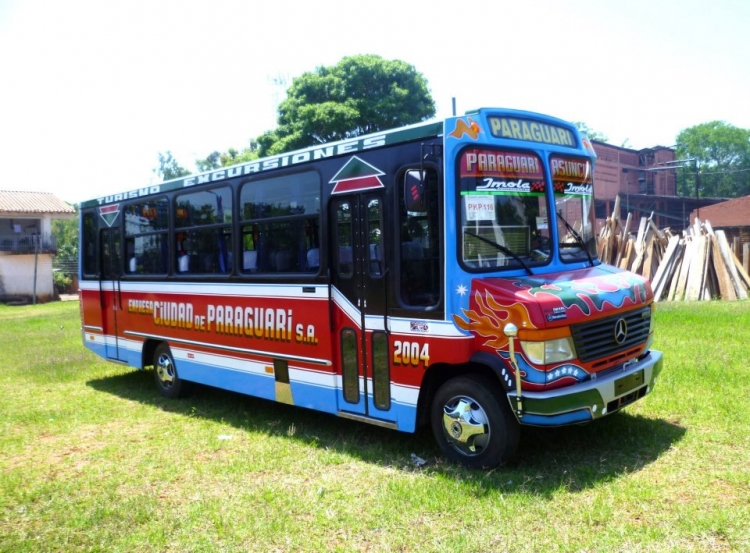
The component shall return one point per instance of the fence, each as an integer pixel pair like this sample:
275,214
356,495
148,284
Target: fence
28,243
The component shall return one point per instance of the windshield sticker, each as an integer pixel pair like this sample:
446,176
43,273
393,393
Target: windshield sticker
491,172
479,208
485,163
571,176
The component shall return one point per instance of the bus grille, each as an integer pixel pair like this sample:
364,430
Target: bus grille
604,338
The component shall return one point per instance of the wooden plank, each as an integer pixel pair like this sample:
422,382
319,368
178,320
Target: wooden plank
616,210
696,227
666,268
627,258
744,275
709,287
742,272
648,259
687,258
640,246
694,287
673,280
726,254
626,228
641,230
601,248
746,257
623,240
679,262
726,289
659,234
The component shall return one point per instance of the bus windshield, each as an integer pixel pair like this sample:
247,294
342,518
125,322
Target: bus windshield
503,210
574,207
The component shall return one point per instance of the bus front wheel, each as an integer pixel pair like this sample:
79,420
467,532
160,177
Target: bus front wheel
473,424
167,380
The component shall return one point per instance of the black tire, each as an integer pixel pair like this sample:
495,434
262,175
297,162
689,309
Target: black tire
473,424
168,381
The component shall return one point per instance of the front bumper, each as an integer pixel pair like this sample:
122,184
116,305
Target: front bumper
592,399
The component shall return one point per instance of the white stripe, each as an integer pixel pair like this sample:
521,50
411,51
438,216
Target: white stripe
406,395
243,289
347,307
315,378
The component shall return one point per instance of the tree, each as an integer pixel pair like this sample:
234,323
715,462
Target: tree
65,232
231,157
721,154
591,133
169,168
212,161
65,263
359,95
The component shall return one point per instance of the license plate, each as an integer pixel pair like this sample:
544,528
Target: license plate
627,383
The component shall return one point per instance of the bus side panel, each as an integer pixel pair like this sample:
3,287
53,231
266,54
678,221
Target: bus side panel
92,318
309,388
237,336
224,371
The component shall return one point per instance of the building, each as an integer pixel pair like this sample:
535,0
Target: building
27,246
646,181
732,216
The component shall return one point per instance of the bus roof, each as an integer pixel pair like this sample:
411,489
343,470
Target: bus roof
330,149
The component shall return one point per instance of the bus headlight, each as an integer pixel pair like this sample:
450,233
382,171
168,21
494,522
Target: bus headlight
550,351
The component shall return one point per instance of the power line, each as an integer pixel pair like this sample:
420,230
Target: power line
725,172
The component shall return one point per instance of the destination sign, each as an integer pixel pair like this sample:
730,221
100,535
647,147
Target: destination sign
516,128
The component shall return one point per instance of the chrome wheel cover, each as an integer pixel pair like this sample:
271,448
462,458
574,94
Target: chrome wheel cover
466,426
165,370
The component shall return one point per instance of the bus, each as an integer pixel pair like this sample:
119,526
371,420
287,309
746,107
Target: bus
442,274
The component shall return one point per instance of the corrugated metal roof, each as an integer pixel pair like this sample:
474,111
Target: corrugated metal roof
32,202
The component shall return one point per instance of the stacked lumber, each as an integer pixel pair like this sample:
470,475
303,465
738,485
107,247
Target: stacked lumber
640,253
698,264
701,267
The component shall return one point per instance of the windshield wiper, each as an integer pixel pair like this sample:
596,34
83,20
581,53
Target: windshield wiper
577,237
503,249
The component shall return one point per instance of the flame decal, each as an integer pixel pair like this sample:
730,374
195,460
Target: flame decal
592,295
471,129
489,318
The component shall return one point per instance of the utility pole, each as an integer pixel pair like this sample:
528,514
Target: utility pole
697,189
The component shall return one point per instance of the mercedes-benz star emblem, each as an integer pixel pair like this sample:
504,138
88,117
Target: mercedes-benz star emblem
621,331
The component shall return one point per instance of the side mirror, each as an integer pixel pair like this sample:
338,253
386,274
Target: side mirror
415,196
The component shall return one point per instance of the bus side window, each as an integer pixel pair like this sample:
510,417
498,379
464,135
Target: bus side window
419,248
344,239
146,237
90,239
203,222
280,217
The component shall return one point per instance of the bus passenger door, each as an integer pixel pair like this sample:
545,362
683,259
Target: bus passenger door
358,272
109,289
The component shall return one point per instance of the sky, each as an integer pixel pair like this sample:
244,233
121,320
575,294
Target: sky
91,91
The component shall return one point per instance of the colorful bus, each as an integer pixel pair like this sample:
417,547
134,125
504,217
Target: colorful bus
441,274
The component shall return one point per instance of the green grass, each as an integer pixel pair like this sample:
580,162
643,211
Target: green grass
93,459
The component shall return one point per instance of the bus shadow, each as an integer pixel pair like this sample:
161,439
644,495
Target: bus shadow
572,458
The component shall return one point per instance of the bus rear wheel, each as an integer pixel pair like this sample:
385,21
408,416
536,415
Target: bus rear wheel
168,382
473,424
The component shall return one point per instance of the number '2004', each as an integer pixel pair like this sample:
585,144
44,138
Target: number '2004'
410,353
